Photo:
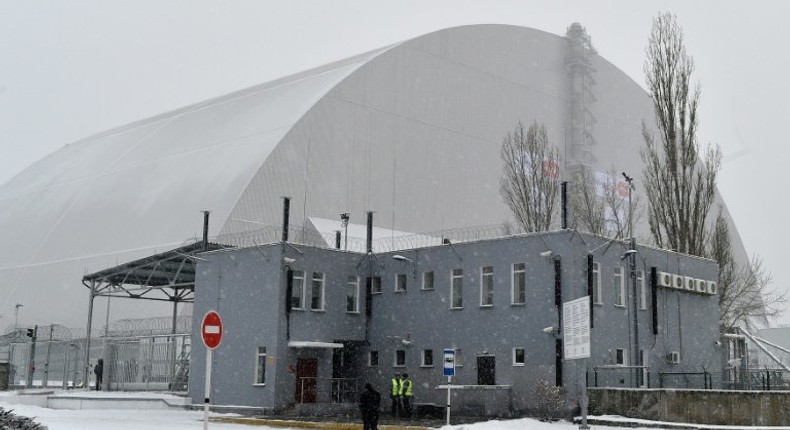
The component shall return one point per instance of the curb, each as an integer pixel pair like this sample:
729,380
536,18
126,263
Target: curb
308,424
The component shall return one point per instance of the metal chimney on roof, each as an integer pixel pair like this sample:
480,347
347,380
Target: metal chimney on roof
205,230
370,233
286,215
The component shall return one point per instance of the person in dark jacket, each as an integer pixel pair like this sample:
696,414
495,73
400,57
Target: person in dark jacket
369,402
99,371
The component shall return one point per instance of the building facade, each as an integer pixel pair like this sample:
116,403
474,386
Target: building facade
307,325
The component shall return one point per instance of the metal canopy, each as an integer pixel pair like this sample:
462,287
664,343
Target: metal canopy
168,276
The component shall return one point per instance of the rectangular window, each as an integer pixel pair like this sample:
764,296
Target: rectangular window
297,290
375,285
620,357
400,358
260,366
457,289
400,282
317,292
596,298
352,294
427,358
487,286
619,287
640,281
519,357
373,359
519,284
427,280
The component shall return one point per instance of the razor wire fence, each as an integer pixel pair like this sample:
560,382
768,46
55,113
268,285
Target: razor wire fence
138,355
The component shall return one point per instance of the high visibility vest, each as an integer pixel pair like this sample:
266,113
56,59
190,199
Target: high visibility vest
397,386
406,388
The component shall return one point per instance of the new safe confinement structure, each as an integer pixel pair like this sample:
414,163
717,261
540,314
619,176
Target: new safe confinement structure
411,131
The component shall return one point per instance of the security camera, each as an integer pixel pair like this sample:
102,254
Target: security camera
288,260
717,343
546,254
549,329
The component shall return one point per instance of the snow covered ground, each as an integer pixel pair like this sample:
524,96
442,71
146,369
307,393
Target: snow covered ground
176,419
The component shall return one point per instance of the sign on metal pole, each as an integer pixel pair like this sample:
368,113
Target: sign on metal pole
576,328
449,362
576,345
211,332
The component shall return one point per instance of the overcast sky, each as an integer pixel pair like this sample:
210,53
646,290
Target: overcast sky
69,69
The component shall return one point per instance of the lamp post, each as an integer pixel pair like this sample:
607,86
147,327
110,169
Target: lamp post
632,268
398,257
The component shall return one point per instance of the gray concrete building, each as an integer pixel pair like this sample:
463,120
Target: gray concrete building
306,326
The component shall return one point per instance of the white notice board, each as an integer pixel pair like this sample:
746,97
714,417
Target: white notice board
576,328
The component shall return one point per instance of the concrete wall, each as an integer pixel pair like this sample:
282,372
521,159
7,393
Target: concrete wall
741,408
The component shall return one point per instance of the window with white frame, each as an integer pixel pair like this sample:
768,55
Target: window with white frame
519,283
640,282
597,299
260,366
352,294
427,280
459,362
519,356
400,358
375,285
317,292
457,289
619,286
487,286
373,359
620,357
400,282
297,290
427,358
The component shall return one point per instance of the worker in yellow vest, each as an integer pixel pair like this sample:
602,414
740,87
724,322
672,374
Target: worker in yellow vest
406,394
396,386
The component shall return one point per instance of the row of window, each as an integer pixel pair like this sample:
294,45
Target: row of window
312,297
519,357
619,287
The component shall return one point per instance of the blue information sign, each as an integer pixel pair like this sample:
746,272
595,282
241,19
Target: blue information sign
449,362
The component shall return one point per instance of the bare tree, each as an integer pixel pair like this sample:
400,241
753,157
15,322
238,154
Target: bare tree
530,182
600,202
745,294
680,189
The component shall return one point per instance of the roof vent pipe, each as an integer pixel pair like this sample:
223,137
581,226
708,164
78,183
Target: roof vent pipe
205,230
286,215
370,233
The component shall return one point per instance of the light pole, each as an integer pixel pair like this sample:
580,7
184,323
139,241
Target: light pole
632,275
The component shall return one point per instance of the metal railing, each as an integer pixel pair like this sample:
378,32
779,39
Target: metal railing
689,380
621,376
328,390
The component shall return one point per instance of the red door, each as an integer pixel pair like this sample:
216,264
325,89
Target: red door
306,373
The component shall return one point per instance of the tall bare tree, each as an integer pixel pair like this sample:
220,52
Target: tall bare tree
530,177
745,294
680,189
600,202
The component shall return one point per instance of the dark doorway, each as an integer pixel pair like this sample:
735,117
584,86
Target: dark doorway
306,373
486,370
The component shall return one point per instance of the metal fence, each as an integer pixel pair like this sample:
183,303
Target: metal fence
155,363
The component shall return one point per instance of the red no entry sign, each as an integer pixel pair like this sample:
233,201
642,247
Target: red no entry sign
211,330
